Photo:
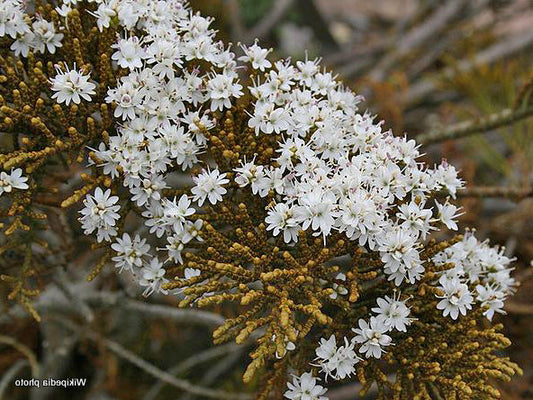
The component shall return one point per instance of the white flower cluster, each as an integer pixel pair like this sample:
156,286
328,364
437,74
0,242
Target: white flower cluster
13,180
305,387
40,36
100,214
370,340
335,168
338,170
159,102
475,263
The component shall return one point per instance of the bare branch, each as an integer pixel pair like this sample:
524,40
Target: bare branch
496,191
518,308
64,285
103,299
188,363
9,375
523,95
505,48
264,26
24,350
467,128
418,35
218,369
190,316
151,369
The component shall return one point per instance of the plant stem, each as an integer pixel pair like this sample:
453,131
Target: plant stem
482,125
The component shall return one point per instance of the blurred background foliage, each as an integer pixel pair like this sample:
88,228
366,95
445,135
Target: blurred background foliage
425,67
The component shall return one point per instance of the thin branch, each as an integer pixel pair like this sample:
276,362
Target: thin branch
505,48
418,35
188,363
518,308
218,369
202,357
496,191
188,316
237,25
24,350
9,375
64,286
523,95
151,369
264,26
482,125
310,12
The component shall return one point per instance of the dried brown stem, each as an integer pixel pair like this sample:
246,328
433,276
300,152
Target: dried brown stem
151,369
496,191
472,127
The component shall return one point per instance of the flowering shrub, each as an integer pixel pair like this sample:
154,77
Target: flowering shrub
251,182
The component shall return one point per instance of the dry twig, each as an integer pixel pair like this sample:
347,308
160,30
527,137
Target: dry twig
151,369
472,127
9,375
264,26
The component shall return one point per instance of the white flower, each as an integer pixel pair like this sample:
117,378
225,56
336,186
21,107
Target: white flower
176,242
221,89
208,186
175,247
447,214
316,210
247,173
280,219
346,359
129,253
394,312
64,10
189,273
334,168
446,175
129,53
153,276
192,231
288,346
13,180
268,119
12,21
103,15
175,214
256,56
127,99
327,349
23,44
148,189
305,387
338,363
416,219
401,259
372,336
455,298
45,36
100,214
339,289
71,85
491,297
